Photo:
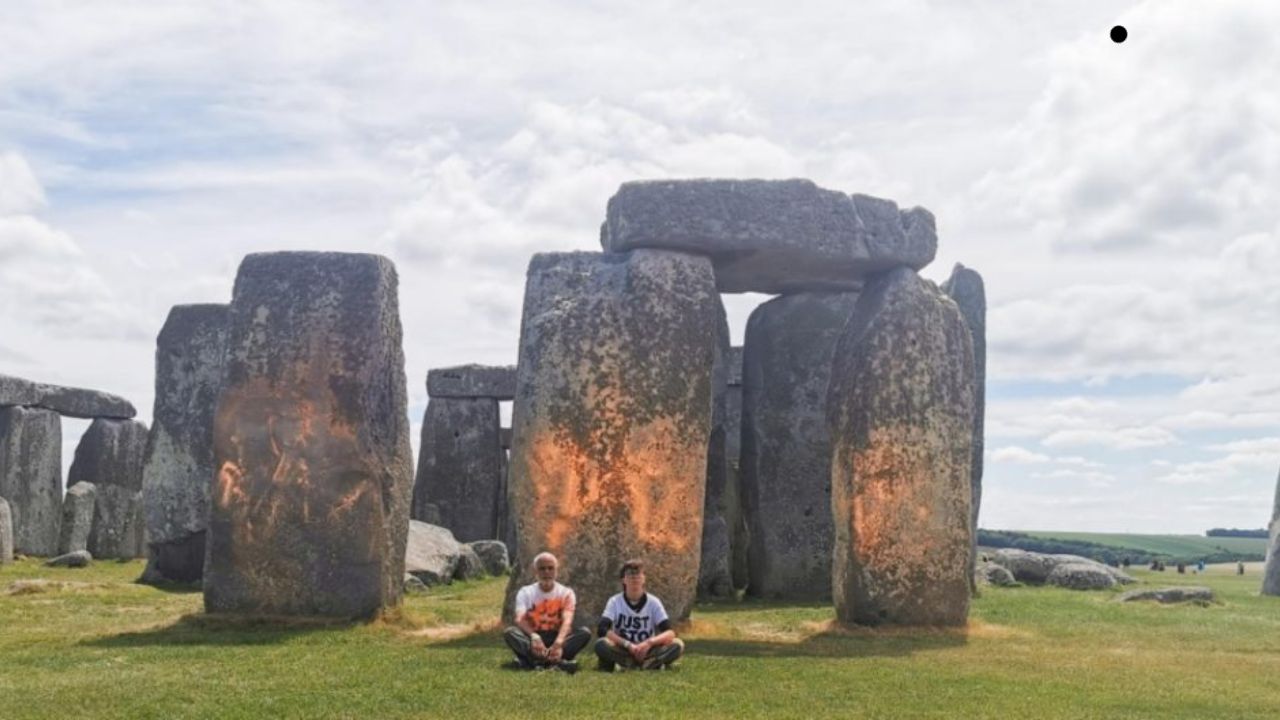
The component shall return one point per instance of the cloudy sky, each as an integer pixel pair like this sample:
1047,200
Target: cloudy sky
1121,200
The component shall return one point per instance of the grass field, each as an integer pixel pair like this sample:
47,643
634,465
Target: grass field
111,648
1172,545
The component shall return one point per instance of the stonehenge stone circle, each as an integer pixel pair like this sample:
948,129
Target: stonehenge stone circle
771,236
31,476
6,532
460,466
110,456
966,288
715,573
901,418
77,517
309,508
178,467
786,447
611,420
1271,571
68,401
473,381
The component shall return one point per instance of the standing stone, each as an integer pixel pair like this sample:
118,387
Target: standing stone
31,477
739,538
77,517
309,509
179,468
771,236
786,447
715,578
901,410
611,420
473,381
1271,571
110,456
6,532
460,466
966,288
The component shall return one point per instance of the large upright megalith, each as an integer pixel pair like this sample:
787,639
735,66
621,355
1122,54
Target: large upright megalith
6,532
77,517
31,476
1271,571
901,418
611,420
735,517
786,448
716,571
110,456
178,468
966,288
309,508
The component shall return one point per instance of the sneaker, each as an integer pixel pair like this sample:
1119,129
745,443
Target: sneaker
653,662
568,666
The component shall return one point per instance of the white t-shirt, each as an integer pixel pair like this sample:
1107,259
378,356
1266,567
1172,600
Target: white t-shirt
635,624
545,609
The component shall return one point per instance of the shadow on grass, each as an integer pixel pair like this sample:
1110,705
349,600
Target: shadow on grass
201,629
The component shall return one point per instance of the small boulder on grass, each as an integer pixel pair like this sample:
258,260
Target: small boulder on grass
77,559
469,566
432,553
1081,576
413,585
993,574
493,555
1198,594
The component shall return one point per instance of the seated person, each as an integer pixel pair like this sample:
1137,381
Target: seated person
635,631
541,637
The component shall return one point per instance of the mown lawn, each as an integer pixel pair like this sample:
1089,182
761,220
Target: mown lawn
1172,545
111,648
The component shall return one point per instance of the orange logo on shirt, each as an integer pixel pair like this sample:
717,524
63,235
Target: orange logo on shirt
547,614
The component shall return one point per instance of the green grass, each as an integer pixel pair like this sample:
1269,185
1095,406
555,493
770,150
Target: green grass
115,649
1172,545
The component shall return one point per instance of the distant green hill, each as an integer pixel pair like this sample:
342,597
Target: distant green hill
1109,547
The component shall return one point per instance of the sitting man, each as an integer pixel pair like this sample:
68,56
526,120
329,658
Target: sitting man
541,637
634,629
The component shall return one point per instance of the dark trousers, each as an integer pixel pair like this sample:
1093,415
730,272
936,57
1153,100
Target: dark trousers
658,655
522,644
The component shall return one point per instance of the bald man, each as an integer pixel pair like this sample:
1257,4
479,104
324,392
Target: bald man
543,636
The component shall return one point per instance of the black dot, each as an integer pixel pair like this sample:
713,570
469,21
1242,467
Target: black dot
1119,34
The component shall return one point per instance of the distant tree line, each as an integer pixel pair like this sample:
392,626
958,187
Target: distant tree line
1236,532
1109,554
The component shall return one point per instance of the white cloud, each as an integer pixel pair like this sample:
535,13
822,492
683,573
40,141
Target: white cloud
1128,438
1015,454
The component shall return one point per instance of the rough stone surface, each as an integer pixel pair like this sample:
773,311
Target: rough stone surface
77,517
901,409
493,556
77,559
771,236
69,401
786,446
110,456
611,421
460,467
1116,574
1188,593
432,553
715,576
994,574
470,566
31,477
1081,576
309,509
736,518
178,465
966,288
1271,570
473,381
413,584
1035,568
6,532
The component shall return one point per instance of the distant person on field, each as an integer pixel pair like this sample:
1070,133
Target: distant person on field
543,636
1239,567
634,630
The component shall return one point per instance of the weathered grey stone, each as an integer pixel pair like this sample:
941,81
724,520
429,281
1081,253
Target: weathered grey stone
611,420
994,574
69,401
901,408
309,509
966,288
178,466
110,456
413,585
735,366
31,477
771,236
6,532
786,446
504,438
1271,569
1120,576
1081,576
1189,593
460,466
470,566
77,559
737,519
473,381
1033,567
432,553
715,574
77,517
493,556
